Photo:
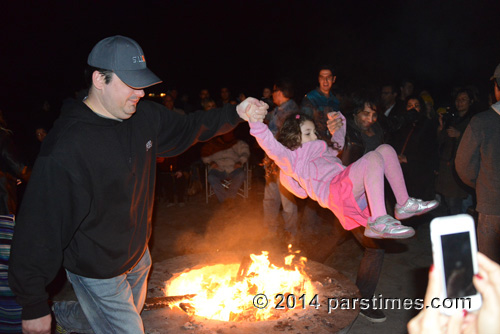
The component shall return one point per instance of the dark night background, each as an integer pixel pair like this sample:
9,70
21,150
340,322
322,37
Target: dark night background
248,44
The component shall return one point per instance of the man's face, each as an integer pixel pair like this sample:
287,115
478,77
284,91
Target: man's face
407,89
463,102
204,94
210,105
119,99
266,93
224,93
277,96
365,118
168,101
40,134
326,80
387,96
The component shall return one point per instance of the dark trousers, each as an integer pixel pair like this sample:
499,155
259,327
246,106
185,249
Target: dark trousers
371,264
488,236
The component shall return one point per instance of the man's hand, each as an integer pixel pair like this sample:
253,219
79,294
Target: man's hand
252,108
37,326
334,122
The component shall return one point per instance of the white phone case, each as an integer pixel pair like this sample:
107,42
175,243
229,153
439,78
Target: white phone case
454,250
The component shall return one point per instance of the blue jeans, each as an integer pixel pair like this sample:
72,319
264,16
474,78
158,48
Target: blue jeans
215,177
274,196
106,306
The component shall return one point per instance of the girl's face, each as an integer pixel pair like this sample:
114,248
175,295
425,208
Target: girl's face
308,132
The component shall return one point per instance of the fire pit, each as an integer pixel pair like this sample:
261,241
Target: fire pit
303,307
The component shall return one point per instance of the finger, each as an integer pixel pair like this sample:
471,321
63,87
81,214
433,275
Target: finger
433,287
488,265
332,115
455,323
414,324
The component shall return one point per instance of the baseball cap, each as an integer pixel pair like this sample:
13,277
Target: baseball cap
497,73
125,57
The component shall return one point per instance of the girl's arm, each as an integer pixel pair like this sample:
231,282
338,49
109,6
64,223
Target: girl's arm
292,186
284,158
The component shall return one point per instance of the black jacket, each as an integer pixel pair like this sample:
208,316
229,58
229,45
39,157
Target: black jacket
89,201
11,169
357,143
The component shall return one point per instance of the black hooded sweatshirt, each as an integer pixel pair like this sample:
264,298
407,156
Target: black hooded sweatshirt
89,202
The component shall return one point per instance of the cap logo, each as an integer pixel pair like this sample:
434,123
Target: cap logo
138,59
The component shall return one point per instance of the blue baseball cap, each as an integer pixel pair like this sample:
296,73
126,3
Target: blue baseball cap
125,58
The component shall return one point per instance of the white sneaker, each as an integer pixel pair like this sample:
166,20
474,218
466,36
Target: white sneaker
386,227
414,207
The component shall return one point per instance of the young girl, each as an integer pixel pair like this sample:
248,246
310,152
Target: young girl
310,168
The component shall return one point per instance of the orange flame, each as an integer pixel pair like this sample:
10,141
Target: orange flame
220,296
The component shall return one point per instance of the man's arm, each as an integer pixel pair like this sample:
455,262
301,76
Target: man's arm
53,196
467,160
177,133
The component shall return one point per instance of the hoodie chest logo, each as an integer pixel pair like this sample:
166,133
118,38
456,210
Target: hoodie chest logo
149,144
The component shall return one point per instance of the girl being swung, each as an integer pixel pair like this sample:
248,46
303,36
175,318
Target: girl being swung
355,194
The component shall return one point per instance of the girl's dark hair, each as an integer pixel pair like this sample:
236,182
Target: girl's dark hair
290,134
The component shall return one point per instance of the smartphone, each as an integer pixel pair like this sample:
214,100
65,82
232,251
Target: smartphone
454,250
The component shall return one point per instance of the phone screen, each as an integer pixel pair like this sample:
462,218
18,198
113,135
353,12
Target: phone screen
458,268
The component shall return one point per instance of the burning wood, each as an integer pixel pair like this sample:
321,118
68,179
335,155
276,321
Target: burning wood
245,264
154,303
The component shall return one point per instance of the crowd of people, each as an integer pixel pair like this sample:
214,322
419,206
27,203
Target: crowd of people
91,191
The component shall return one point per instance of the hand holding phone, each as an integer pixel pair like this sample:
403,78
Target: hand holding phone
454,251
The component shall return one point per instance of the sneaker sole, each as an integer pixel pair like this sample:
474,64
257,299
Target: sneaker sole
370,234
409,215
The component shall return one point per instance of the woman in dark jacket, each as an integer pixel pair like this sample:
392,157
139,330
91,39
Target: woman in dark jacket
416,145
450,130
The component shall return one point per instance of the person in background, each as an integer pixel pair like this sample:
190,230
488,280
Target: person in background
208,104
364,134
267,97
416,145
12,173
172,180
406,88
317,104
320,101
274,193
478,164
225,156
450,131
225,97
168,102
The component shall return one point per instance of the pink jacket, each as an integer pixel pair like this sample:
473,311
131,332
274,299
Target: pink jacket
308,170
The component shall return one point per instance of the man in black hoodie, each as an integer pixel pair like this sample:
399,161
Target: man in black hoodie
88,205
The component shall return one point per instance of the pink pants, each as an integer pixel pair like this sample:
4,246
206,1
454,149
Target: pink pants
367,177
